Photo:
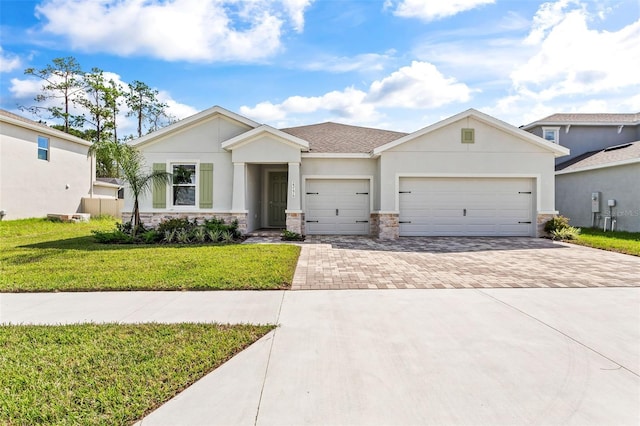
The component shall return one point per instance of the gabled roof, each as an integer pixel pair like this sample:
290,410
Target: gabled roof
186,122
598,119
254,133
487,119
9,117
627,153
342,138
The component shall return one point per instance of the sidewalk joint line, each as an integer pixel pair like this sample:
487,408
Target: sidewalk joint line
559,331
266,370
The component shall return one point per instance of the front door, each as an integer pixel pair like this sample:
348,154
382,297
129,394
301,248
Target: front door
277,199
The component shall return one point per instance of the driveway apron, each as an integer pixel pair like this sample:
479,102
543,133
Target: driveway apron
413,262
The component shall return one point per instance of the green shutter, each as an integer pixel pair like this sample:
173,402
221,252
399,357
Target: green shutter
159,188
206,185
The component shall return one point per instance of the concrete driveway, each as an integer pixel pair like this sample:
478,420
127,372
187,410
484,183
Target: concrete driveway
365,263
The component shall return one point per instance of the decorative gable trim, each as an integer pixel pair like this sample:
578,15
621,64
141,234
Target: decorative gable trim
251,135
189,121
487,119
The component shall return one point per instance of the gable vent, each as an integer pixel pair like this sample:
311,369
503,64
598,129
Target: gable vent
468,136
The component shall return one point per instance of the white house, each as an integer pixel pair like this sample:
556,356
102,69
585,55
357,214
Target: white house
44,171
470,174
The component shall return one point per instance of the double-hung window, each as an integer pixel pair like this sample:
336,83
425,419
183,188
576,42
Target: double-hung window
551,134
184,184
43,148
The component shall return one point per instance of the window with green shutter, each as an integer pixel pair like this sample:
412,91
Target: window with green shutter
159,188
206,185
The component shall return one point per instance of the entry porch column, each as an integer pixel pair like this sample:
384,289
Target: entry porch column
295,217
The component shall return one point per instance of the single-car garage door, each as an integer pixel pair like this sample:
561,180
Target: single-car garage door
337,206
466,207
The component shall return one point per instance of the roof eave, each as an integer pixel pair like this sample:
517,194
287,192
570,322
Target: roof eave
246,137
46,130
202,115
558,150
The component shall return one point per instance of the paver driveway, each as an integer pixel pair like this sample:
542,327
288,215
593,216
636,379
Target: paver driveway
452,262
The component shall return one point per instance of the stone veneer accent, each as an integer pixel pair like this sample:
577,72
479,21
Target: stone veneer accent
152,220
385,226
541,219
295,222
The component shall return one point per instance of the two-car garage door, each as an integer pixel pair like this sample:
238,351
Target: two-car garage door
337,206
466,206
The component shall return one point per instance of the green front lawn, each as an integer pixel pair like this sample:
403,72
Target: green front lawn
622,242
109,374
39,255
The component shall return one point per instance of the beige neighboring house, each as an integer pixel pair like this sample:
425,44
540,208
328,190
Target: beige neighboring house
45,171
468,175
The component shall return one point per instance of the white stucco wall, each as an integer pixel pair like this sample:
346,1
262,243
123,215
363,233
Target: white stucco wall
30,187
495,153
620,183
199,143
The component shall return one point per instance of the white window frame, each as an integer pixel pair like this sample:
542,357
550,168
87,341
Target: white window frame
556,134
195,185
47,150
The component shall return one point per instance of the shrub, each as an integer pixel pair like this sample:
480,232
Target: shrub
556,223
291,236
176,224
151,237
214,235
200,234
565,234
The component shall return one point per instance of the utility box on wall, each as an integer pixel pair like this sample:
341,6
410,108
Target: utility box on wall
595,202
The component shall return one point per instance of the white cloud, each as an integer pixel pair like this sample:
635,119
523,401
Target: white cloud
191,30
431,10
571,66
573,59
9,61
418,86
364,62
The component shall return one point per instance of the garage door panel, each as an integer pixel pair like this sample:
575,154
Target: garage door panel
466,206
350,197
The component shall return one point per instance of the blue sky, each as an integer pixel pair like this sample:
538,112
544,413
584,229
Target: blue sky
396,64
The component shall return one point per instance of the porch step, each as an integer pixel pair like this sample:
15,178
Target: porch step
265,232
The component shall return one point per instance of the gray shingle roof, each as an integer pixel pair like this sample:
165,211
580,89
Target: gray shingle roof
612,119
610,155
342,138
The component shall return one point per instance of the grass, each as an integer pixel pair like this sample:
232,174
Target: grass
619,241
39,255
107,374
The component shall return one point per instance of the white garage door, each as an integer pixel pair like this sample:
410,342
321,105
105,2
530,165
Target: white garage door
466,207
337,206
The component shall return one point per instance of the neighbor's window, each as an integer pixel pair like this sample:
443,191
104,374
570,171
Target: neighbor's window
184,184
551,134
43,148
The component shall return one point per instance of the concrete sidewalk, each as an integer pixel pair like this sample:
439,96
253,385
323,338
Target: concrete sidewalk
477,356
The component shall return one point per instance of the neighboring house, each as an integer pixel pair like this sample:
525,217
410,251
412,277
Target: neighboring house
470,174
604,165
44,171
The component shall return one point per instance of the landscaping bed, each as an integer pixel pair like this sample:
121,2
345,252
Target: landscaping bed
40,255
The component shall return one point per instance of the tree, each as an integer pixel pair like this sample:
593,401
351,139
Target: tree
143,103
63,81
100,102
138,177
